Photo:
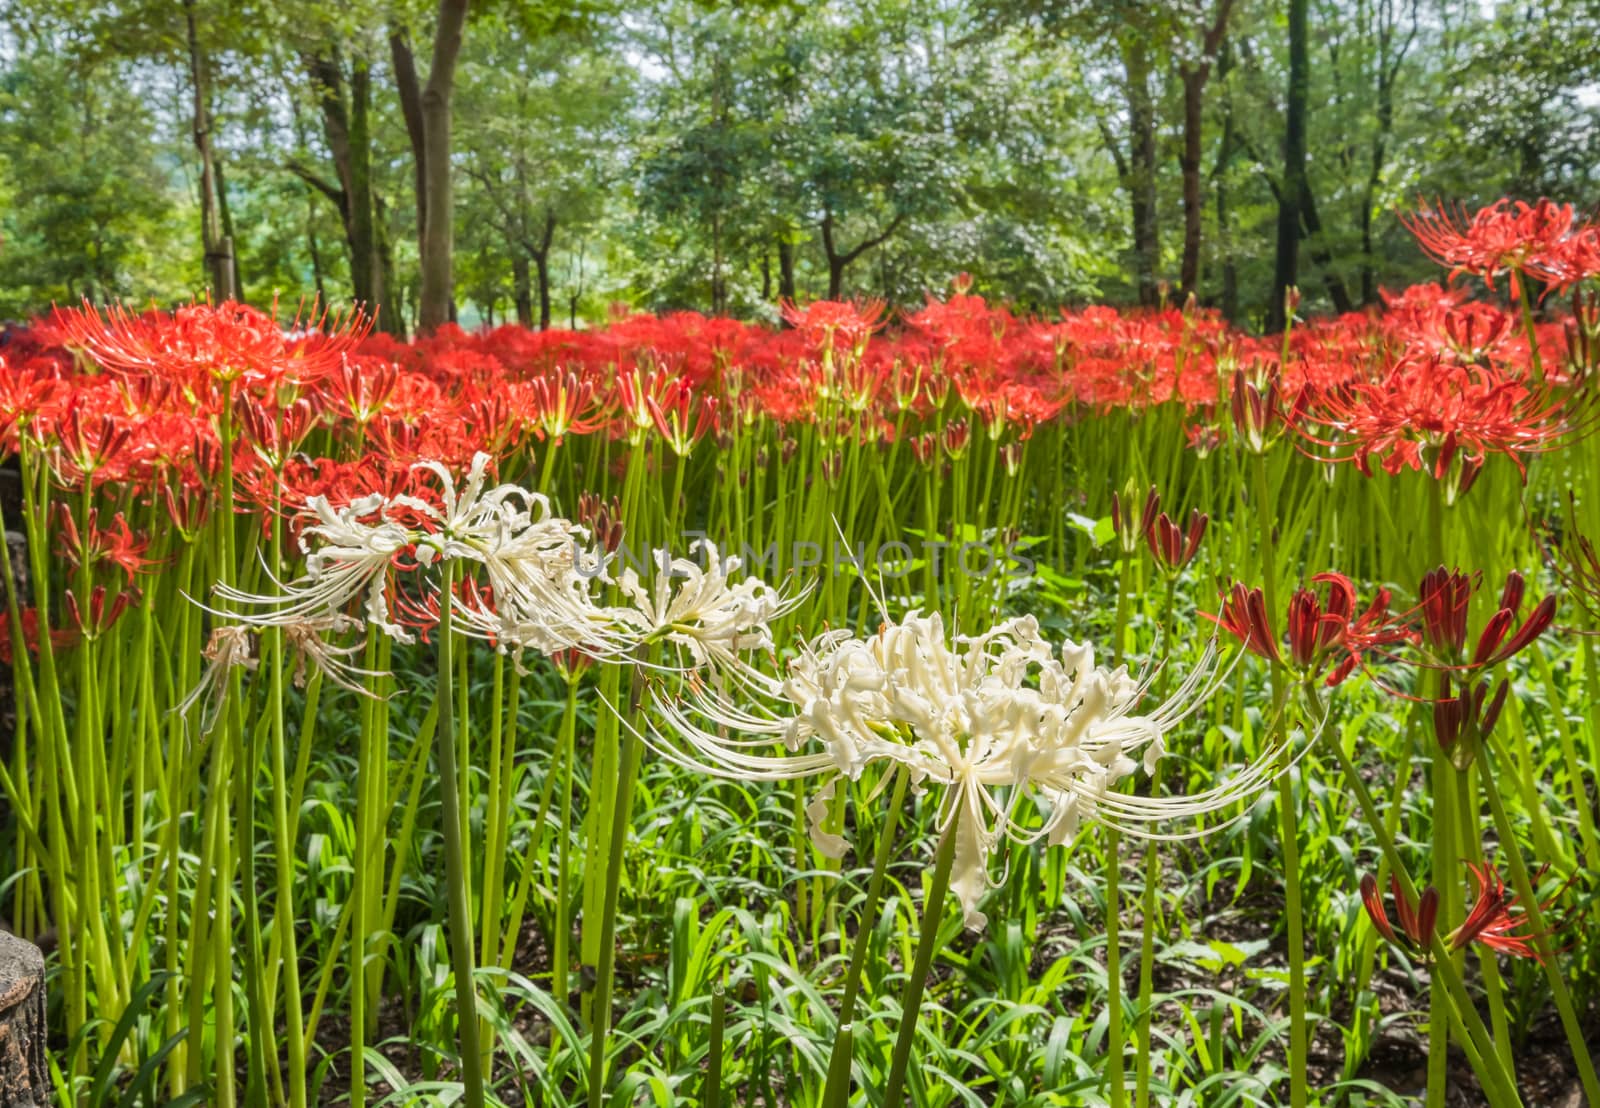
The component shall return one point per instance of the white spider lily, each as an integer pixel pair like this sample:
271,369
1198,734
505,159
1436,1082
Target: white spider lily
998,719
695,606
347,553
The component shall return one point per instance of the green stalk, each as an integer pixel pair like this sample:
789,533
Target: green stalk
1473,1037
1288,824
911,997
621,817
456,876
869,908
1527,896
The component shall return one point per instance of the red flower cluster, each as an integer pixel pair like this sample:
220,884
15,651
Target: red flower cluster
1543,240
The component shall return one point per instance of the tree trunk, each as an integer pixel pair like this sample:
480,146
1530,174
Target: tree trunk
1195,76
227,229
1225,151
838,260
1287,261
542,265
24,1065
1319,253
1142,167
366,277
785,270
436,306
218,248
404,63
521,290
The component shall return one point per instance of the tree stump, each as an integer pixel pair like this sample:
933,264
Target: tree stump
24,1072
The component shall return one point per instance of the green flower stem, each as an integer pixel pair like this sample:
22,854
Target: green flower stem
456,876
1472,1035
1288,823
1528,897
911,997
621,817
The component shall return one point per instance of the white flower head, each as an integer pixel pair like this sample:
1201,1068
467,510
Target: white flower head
999,720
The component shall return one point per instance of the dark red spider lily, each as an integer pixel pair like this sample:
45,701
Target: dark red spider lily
1260,415
602,518
1319,627
117,544
682,417
1174,547
1416,920
104,610
1128,530
1443,601
1507,236
29,619
1244,615
1496,921
1469,714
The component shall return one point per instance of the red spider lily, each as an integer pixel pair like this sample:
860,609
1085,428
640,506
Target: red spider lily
1443,601
91,448
275,433
682,417
1416,920
1427,413
1470,714
29,617
836,326
1320,628
925,447
1575,560
359,387
224,343
1129,531
117,544
1259,414
559,404
26,392
1492,921
1506,236
102,615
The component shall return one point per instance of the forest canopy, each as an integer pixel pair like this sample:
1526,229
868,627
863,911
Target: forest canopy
688,155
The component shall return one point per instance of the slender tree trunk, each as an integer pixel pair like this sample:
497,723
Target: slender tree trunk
311,244
542,264
404,64
365,274
1195,76
839,259
1142,167
521,289
218,248
1225,151
436,305
1320,255
1293,190
228,236
786,270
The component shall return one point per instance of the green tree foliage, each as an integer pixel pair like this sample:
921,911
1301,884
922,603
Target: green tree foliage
682,154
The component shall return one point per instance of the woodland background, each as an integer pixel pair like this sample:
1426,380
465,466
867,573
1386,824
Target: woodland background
679,155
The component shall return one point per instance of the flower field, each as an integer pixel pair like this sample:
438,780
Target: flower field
944,707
